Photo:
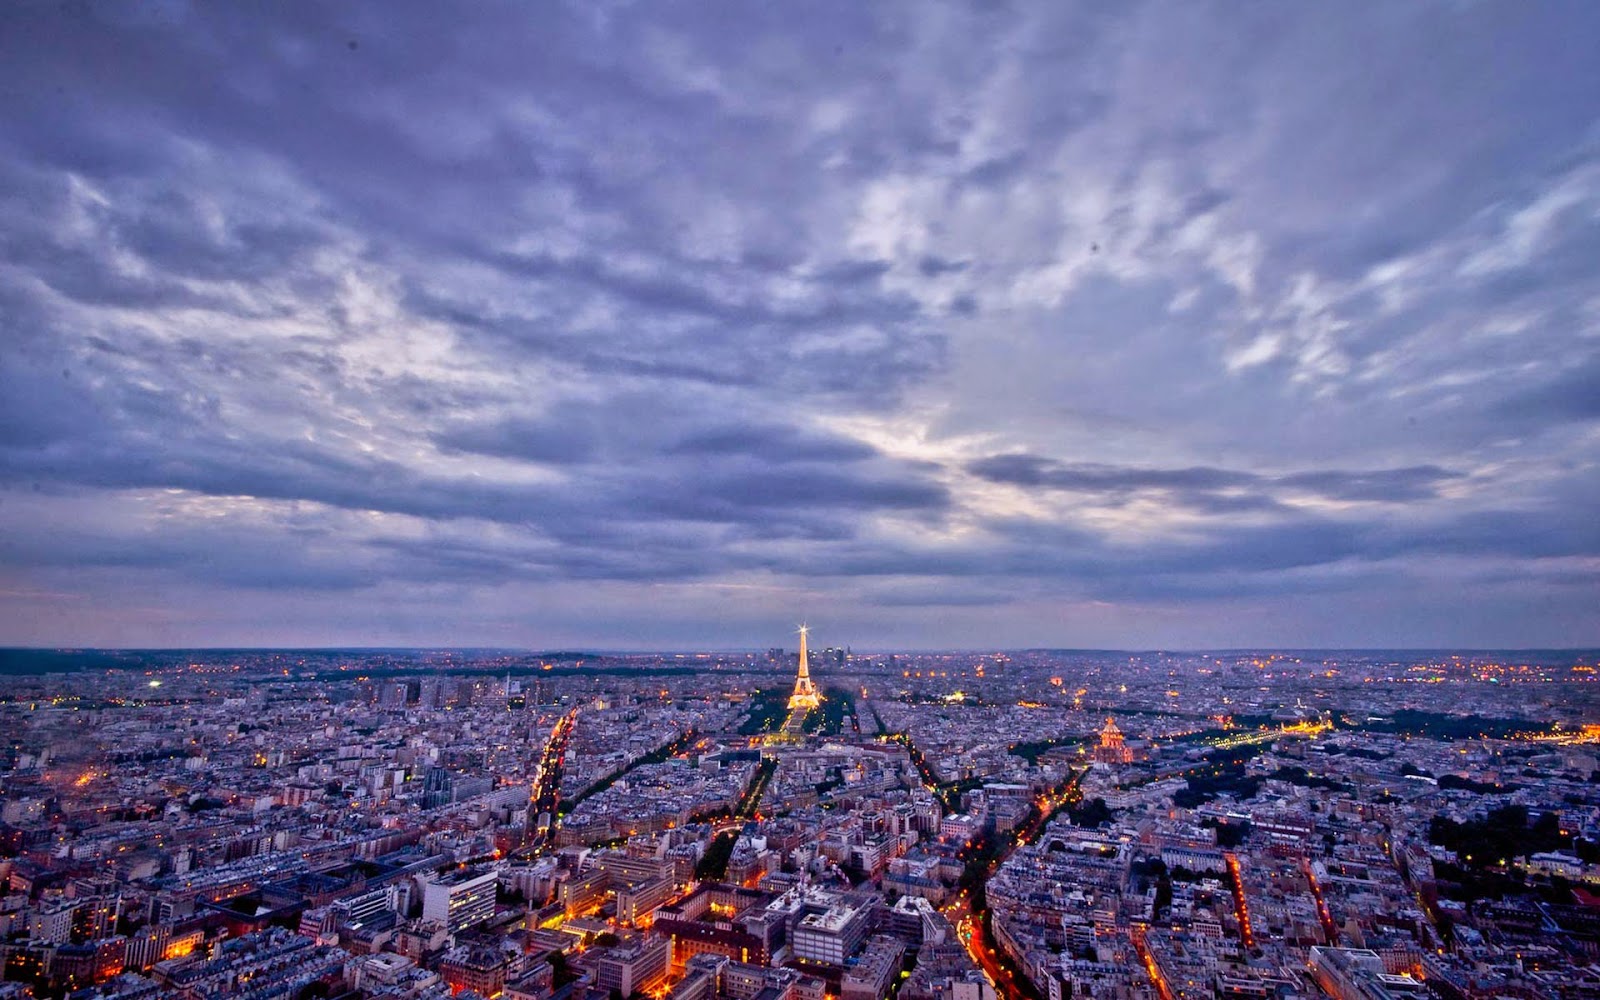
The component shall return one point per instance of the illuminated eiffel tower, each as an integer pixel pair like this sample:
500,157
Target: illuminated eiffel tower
805,695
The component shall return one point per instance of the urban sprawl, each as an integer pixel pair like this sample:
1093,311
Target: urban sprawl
800,824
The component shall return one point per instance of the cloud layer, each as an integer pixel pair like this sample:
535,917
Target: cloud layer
989,324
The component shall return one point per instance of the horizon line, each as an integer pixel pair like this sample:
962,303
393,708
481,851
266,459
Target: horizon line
636,651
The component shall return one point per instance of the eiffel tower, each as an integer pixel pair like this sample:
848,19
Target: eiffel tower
805,695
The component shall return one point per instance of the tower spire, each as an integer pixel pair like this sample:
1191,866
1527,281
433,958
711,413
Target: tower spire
805,693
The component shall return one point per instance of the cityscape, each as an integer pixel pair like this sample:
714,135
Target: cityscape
750,500
801,823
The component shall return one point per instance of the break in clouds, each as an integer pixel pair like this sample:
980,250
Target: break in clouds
942,324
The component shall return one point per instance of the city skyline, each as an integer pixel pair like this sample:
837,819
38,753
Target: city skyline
936,827
954,326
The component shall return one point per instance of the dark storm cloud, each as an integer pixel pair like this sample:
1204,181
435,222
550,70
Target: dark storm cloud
774,444
1203,485
933,267
559,442
1031,470
507,309
289,471
215,557
1572,395
1381,485
768,489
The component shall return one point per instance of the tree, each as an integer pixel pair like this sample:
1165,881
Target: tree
1090,814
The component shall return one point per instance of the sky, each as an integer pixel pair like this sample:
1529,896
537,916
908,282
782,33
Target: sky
625,325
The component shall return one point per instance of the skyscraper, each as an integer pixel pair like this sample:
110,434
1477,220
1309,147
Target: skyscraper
459,900
805,693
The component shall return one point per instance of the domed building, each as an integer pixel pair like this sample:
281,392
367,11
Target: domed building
1112,748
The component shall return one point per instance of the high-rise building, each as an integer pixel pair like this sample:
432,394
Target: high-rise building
832,935
636,902
805,693
634,966
459,900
